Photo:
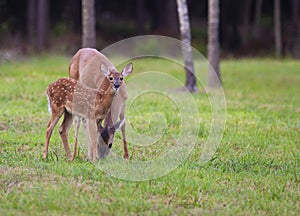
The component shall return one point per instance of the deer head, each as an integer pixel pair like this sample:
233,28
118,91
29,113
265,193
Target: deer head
116,79
106,137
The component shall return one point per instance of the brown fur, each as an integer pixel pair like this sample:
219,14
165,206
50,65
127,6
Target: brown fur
90,103
84,67
68,96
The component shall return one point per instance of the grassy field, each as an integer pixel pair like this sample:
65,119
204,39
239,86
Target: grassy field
255,170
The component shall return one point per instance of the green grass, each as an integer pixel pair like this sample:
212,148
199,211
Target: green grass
255,170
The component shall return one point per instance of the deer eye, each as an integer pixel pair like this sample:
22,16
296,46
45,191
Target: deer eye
110,78
121,78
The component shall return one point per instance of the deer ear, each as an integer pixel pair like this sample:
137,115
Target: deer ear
127,70
101,128
118,125
104,69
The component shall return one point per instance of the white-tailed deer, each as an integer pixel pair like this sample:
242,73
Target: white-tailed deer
84,67
70,97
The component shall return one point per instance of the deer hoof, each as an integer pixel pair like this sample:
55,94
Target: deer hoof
126,157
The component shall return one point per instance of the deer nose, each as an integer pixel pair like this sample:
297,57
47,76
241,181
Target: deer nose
116,86
109,145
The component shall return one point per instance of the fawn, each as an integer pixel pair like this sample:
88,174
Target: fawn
69,97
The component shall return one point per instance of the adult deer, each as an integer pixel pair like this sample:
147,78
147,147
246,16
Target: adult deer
69,97
85,67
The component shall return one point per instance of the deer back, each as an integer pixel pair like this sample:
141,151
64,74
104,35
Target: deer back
78,99
61,92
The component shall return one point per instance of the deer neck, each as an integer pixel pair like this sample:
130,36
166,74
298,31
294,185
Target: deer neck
105,87
105,91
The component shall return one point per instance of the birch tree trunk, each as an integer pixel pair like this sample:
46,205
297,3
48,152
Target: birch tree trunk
185,33
213,44
88,23
277,28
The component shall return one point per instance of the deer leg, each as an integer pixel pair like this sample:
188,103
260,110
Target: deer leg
53,121
92,125
64,131
76,137
126,155
85,124
122,116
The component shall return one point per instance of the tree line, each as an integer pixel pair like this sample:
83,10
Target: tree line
251,27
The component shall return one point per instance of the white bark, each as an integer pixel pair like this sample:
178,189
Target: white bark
185,33
213,43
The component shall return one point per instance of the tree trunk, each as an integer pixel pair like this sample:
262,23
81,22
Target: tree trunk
277,28
42,24
88,23
213,44
31,24
140,19
185,33
296,27
257,18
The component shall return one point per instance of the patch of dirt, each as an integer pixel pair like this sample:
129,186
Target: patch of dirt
3,126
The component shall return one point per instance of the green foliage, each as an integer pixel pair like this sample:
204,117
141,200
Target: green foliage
255,170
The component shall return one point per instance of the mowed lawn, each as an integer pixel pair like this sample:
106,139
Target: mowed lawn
255,170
